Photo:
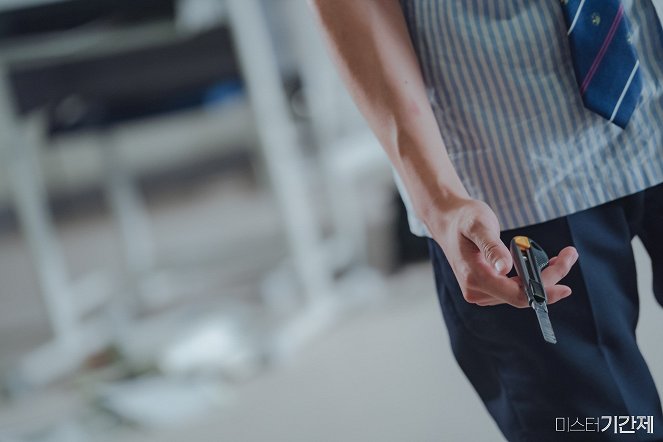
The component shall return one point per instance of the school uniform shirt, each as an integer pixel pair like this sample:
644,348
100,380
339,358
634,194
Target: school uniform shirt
501,83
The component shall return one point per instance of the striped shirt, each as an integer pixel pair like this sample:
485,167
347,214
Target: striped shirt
501,84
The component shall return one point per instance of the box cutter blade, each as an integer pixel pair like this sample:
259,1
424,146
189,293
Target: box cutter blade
529,259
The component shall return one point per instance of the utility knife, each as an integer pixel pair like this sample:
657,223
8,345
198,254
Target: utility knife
530,259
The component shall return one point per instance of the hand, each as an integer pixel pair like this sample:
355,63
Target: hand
469,235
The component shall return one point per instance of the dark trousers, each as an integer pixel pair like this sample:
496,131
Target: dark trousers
596,368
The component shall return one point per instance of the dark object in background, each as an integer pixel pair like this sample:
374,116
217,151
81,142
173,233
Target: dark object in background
88,90
61,16
119,87
108,88
409,248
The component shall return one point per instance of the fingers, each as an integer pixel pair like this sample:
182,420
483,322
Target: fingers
486,237
494,289
554,293
559,266
482,279
480,261
557,292
482,299
489,301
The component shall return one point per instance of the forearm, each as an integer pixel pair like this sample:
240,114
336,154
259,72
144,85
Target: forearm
373,51
372,48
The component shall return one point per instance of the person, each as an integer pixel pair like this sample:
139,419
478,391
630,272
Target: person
525,117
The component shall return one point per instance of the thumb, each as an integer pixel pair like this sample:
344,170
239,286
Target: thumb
492,248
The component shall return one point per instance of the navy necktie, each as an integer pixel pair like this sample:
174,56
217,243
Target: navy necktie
605,63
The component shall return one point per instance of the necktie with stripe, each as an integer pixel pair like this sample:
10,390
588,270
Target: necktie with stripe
605,62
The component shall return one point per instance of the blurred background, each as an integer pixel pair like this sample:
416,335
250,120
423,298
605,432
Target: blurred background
200,240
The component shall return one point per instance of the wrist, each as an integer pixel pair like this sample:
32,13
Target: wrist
441,212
